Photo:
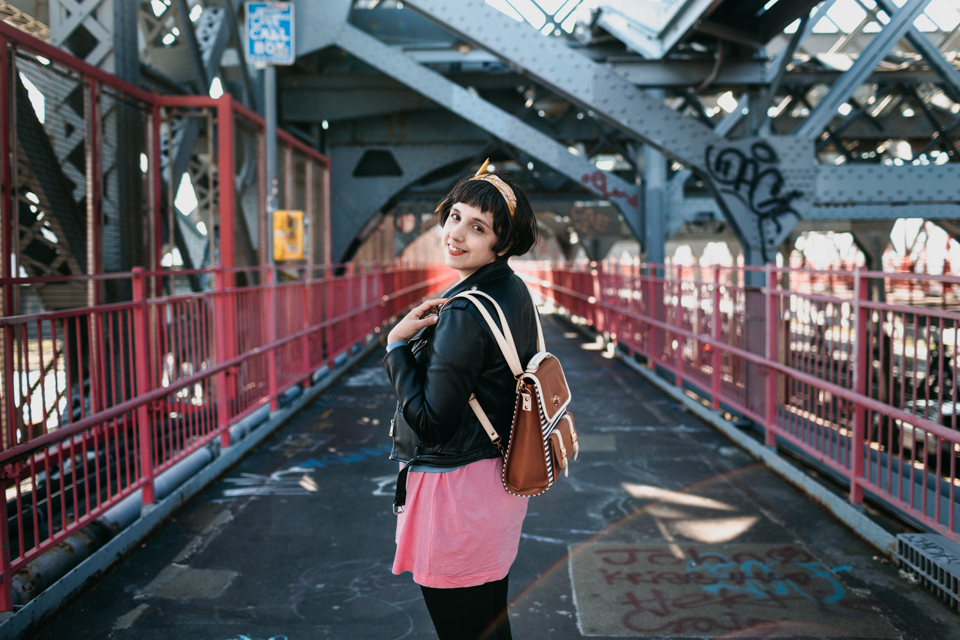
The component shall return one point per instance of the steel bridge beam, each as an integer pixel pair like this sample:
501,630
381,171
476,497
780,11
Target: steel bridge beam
357,199
317,29
661,28
576,77
862,192
668,73
210,39
930,52
885,184
894,31
764,186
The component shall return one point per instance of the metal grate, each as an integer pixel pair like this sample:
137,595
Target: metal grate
935,560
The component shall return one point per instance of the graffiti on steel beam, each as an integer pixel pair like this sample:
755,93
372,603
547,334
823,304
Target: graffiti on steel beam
598,182
765,186
754,179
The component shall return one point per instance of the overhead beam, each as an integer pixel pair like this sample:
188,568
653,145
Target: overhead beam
576,77
666,73
355,200
842,90
855,192
652,28
886,184
764,186
470,106
930,52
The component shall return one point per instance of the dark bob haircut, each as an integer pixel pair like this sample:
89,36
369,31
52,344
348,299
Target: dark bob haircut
516,234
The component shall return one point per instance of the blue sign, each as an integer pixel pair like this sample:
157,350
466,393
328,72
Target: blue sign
270,33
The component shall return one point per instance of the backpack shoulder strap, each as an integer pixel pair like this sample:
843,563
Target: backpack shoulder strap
541,345
504,338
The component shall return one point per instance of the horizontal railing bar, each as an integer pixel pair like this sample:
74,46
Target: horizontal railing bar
24,450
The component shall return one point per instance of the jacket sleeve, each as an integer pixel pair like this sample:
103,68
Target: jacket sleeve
433,399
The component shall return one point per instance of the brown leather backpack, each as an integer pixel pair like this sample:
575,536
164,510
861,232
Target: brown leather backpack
543,438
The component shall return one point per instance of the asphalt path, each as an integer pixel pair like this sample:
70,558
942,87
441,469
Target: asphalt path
664,529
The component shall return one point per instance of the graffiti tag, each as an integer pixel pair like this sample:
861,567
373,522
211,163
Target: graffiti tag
705,591
598,180
756,181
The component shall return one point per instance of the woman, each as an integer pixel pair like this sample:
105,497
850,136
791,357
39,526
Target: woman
458,529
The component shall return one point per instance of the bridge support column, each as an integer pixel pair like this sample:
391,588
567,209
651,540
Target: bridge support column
872,238
655,203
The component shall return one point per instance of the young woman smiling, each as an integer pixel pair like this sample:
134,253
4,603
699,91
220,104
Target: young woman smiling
458,530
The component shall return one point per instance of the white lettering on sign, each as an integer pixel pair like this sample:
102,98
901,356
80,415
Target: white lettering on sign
270,32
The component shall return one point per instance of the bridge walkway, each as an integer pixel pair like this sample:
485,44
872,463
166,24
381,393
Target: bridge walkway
664,529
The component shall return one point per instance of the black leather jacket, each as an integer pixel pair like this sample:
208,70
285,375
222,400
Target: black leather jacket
435,373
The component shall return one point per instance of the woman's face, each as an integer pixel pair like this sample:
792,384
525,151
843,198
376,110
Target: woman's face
468,239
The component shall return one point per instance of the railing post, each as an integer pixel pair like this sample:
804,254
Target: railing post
678,323
305,302
6,586
272,337
650,313
771,321
595,309
142,351
328,314
7,235
220,333
658,335
226,193
860,362
8,231
716,355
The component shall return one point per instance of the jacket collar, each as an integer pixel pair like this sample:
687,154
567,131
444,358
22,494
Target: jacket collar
486,273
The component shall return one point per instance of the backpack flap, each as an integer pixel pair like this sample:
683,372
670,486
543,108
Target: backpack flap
550,384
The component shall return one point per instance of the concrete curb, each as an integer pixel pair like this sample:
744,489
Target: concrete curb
59,592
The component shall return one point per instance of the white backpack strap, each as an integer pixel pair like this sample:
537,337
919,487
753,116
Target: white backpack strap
504,338
541,345
485,422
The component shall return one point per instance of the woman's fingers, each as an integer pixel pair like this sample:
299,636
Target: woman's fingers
421,316
430,306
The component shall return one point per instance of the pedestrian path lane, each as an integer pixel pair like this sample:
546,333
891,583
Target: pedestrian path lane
664,529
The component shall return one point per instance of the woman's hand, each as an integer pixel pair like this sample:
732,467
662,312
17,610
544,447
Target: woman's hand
422,316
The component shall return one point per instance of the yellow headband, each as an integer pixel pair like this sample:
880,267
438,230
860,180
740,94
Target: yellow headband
501,186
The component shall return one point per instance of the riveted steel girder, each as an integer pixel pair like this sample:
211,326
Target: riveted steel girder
887,211
763,185
934,57
894,31
662,26
467,104
355,200
885,184
576,77
859,192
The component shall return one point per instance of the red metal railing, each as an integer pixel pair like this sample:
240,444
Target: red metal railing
103,399
864,389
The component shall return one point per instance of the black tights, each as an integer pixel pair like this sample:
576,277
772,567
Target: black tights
470,613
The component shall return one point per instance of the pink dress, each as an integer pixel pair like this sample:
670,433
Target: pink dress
459,528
